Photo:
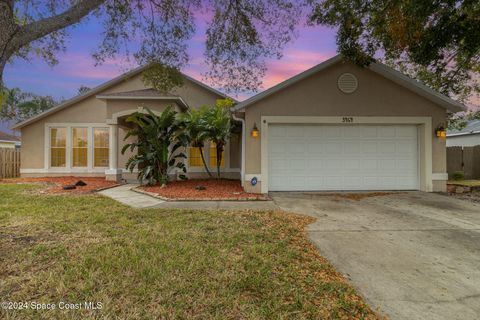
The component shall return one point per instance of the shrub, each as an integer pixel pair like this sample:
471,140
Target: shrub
457,176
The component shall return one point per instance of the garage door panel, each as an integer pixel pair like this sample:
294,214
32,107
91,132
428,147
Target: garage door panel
368,132
352,147
332,132
386,132
349,157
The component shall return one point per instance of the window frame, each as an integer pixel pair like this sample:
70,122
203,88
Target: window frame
50,146
206,153
108,146
72,146
69,168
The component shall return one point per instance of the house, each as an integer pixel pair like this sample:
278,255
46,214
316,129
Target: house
9,141
336,126
467,137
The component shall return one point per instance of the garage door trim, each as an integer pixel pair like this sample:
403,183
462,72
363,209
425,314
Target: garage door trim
424,139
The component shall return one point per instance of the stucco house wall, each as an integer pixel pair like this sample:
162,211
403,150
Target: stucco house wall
93,110
319,96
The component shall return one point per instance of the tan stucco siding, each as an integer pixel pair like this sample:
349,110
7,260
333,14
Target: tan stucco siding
319,96
192,93
235,150
90,110
93,110
116,106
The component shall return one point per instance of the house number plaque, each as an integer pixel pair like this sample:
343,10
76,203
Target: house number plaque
347,119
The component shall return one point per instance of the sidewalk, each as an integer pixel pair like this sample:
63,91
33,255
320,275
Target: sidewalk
125,195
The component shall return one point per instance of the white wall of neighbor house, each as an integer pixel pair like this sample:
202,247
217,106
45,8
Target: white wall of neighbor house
7,144
318,99
469,140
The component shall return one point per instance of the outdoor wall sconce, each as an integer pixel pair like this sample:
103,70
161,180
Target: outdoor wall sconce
255,131
440,132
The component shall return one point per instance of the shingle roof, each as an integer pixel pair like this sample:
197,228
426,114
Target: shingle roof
8,137
473,127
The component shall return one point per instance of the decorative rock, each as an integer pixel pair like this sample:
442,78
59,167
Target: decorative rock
80,183
200,188
69,187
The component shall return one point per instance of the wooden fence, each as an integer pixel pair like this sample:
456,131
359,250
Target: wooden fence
466,159
9,163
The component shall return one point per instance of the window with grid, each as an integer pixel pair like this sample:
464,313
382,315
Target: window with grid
194,157
58,147
79,147
100,147
213,156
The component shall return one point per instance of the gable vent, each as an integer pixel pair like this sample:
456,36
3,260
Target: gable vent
347,83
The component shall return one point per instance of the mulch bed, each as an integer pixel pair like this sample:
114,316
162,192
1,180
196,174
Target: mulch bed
214,190
54,185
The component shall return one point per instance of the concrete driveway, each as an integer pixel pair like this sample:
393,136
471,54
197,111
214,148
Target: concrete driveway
412,255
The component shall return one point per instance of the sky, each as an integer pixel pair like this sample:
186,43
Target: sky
76,66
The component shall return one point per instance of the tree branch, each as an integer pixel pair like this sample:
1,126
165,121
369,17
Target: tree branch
41,28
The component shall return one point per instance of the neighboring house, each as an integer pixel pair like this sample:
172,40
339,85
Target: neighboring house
333,127
467,137
9,141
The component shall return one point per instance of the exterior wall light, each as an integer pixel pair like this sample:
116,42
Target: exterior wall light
440,132
255,131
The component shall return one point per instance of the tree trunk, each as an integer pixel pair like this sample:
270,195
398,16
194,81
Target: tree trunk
13,36
219,158
204,163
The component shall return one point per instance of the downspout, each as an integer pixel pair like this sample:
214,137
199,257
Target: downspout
242,169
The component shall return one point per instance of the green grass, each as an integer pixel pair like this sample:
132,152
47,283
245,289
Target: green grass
466,183
162,264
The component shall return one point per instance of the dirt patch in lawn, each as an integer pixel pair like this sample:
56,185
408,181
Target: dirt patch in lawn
54,185
213,190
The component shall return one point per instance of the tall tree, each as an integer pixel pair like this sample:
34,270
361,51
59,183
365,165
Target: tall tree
217,127
240,35
83,89
437,42
18,106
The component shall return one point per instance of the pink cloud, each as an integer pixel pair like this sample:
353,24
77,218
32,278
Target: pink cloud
82,66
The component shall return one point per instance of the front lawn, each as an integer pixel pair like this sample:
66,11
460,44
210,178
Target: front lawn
170,264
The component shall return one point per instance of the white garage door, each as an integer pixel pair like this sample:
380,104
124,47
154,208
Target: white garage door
346,157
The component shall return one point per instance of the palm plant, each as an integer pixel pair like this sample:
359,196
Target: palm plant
159,140
217,126
195,131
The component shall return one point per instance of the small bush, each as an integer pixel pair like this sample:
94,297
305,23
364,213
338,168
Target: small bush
457,176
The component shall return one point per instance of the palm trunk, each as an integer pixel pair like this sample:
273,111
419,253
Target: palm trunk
204,163
219,159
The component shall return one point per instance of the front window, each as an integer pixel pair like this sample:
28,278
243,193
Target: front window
79,147
58,147
100,147
194,157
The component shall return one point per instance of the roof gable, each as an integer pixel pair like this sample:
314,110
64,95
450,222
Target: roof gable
379,68
101,88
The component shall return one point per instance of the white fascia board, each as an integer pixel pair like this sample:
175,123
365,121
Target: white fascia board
451,135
